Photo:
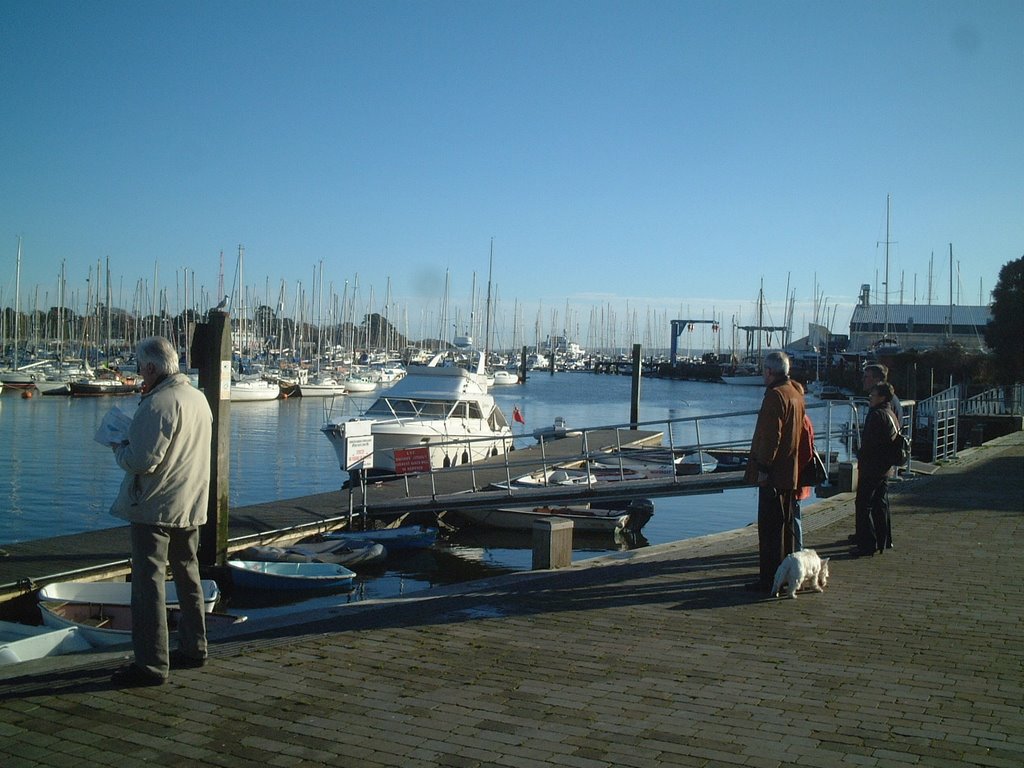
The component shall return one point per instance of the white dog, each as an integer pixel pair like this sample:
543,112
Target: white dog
803,569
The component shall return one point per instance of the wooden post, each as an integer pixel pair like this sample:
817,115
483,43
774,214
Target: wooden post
211,354
552,543
634,399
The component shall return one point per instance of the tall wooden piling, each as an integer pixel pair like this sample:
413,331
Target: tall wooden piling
634,398
211,354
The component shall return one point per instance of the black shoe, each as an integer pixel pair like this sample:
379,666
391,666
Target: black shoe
135,677
859,552
180,660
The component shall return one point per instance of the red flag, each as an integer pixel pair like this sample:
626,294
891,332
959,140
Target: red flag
517,415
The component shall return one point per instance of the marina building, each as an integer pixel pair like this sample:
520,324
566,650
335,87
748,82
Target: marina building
916,326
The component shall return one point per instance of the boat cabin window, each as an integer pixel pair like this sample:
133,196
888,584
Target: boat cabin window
434,409
388,407
404,408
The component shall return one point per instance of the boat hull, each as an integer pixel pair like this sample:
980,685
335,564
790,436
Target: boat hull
254,391
22,642
261,574
118,593
110,625
350,553
393,539
446,409
523,518
101,388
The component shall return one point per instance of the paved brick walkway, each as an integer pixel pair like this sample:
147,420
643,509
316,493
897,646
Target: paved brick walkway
659,658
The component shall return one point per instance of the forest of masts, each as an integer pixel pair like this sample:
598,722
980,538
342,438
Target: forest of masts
298,323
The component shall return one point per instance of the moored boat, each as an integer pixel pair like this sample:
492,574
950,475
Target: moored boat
446,409
322,386
358,385
503,377
254,390
117,593
584,518
99,386
107,625
558,476
393,539
697,463
352,553
263,574
26,642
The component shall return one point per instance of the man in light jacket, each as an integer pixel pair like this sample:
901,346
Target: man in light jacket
164,494
774,465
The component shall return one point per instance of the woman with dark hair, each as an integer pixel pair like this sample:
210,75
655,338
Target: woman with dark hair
874,462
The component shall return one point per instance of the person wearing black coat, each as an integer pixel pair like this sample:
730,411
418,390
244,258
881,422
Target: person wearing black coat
874,462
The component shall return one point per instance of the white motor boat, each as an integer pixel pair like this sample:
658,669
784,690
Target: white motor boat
446,409
254,390
322,386
358,385
503,377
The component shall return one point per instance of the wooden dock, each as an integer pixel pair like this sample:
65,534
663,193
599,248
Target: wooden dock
104,554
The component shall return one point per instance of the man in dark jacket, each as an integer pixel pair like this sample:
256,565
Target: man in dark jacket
874,459
774,465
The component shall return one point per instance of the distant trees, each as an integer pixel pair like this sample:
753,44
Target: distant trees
1004,333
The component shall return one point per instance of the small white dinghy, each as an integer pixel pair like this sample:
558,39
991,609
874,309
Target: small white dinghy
25,642
262,574
116,593
106,625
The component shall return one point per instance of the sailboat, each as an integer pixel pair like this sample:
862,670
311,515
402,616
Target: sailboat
107,379
322,383
748,372
17,377
255,389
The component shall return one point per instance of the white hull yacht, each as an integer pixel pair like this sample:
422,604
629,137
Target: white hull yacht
446,409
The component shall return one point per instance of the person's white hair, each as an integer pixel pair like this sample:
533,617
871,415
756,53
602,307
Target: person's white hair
158,351
777,362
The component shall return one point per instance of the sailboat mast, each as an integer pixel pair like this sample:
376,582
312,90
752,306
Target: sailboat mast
885,323
17,305
487,318
950,330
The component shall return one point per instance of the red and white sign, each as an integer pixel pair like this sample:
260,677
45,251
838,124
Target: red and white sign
411,461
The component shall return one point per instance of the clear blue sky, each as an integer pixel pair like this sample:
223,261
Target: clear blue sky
637,159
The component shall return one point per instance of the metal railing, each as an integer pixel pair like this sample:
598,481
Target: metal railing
708,435
1000,401
940,414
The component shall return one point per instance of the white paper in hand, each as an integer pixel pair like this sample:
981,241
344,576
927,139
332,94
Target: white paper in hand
114,427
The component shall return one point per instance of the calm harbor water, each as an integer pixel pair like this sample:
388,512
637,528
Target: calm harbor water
57,481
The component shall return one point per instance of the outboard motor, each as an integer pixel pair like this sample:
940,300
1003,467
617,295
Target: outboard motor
640,511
